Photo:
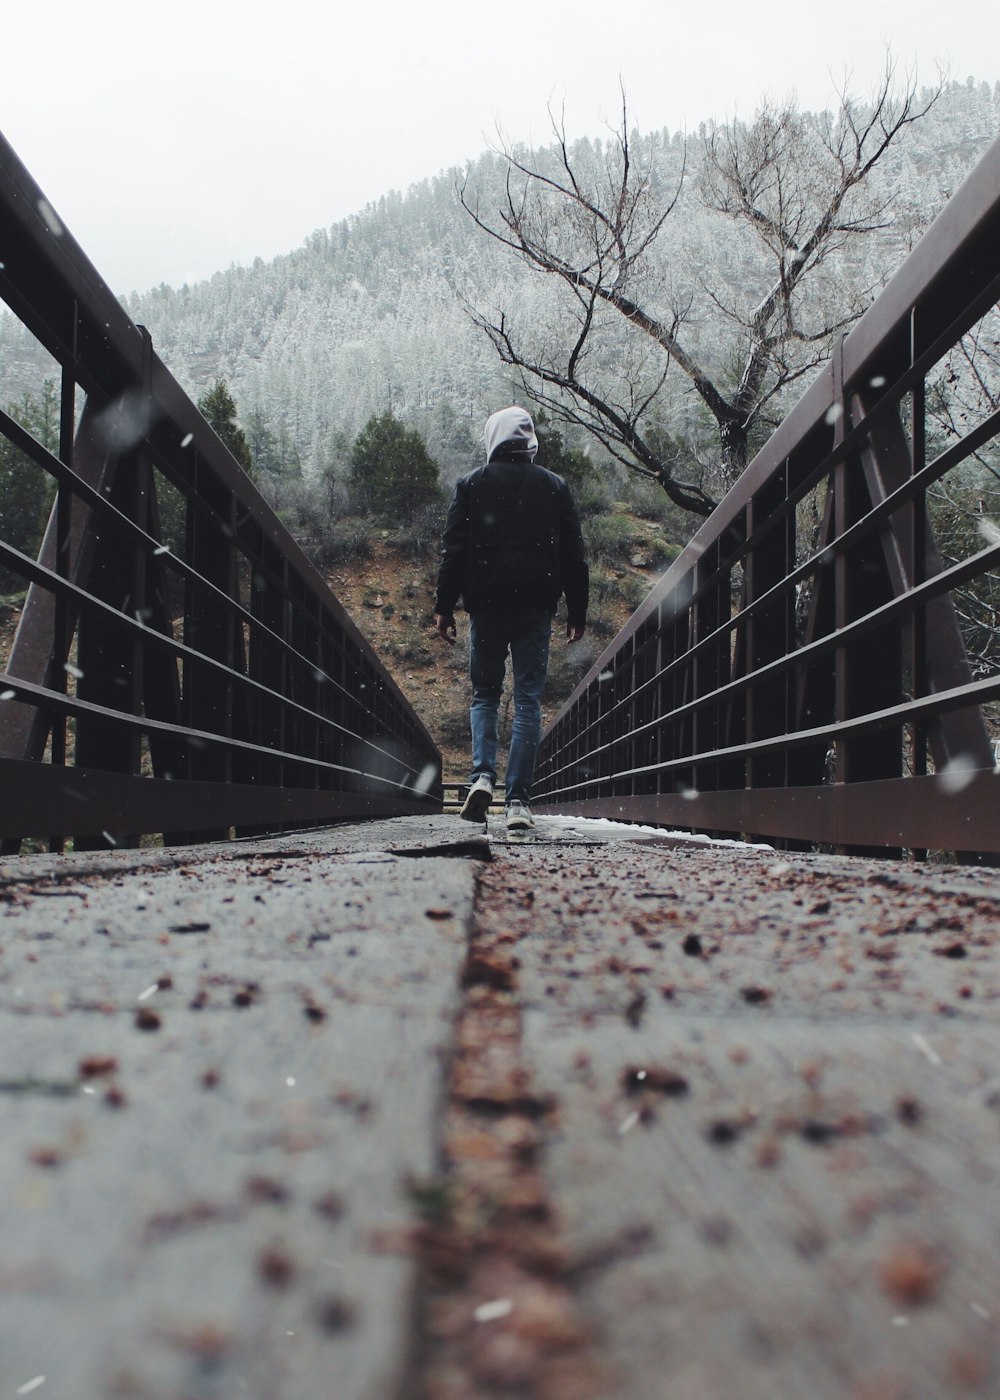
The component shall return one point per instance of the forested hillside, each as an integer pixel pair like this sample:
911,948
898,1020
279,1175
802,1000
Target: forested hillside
367,315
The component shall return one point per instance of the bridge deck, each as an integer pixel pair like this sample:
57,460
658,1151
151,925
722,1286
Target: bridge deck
399,1110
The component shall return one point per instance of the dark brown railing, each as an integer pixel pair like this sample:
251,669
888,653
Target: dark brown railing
196,692
815,667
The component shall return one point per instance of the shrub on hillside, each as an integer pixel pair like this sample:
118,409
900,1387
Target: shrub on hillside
593,497
610,538
452,729
618,539
658,553
607,586
337,541
421,536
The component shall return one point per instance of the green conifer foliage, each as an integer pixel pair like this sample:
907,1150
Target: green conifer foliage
219,409
392,475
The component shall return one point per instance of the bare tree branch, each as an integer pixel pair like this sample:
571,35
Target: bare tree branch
800,185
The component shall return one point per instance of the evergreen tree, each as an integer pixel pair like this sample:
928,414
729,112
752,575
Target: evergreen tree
261,442
392,474
288,459
553,454
453,438
576,467
274,454
335,472
219,410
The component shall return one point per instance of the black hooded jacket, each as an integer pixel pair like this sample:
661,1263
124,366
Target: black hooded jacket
512,540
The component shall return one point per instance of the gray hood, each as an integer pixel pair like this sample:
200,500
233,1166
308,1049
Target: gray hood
511,426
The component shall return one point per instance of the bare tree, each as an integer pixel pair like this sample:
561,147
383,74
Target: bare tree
796,188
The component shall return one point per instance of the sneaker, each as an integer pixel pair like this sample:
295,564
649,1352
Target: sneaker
477,803
519,817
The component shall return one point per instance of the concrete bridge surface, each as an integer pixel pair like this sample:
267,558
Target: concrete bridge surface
406,1111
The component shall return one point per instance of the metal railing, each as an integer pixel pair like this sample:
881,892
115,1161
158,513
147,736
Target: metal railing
195,692
800,673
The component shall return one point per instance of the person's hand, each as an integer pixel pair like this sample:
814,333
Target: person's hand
445,625
574,633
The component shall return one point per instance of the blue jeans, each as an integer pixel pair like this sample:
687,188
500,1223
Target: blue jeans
526,634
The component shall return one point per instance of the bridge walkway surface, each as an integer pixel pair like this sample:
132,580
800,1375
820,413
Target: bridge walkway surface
406,1110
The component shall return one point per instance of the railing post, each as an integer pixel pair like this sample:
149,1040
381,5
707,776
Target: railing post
918,550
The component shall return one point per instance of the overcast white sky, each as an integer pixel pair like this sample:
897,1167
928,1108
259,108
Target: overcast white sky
175,139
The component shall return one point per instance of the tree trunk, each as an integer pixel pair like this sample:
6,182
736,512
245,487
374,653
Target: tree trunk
733,443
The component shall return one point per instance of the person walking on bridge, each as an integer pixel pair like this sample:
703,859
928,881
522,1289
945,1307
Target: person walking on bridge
512,547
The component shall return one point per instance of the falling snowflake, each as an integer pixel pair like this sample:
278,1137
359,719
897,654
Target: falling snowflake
54,226
424,780
956,775
925,1048
489,1312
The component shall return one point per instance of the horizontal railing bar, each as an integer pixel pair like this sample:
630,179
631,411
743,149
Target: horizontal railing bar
119,804
866,524
854,437
93,498
935,350
852,440
911,601
55,583
922,813
942,701
933,587
968,223
72,707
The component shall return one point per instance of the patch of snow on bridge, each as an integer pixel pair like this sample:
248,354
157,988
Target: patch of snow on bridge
603,824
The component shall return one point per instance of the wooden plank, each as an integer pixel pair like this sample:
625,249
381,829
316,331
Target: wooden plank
224,1211
772,1144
